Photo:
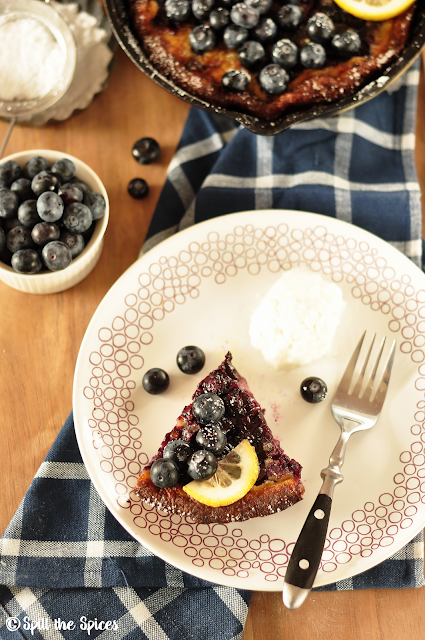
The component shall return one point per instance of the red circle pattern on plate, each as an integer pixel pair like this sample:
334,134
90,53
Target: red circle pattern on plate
170,282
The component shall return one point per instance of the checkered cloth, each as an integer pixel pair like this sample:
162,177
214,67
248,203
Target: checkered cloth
66,566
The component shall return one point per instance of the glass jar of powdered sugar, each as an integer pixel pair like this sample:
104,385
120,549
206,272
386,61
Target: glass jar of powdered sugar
37,57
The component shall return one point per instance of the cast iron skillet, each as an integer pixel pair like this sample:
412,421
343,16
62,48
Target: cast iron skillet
120,21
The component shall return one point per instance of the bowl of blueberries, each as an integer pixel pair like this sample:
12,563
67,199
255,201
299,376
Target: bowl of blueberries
54,211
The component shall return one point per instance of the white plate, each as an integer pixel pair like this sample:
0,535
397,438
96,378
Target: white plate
201,287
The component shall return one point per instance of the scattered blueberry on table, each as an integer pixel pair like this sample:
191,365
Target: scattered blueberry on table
313,390
138,188
47,214
146,150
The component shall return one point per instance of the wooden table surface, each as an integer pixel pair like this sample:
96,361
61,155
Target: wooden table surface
40,336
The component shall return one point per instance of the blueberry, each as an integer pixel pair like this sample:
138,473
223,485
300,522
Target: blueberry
320,27
50,206
289,16
313,56
138,188
8,203
155,381
190,359
266,30
70,192
22,188
34,166
202,38
27,214
261,5
178,10
234,36
64,169
201,8
146,150
77,217
251,53
202,465
164,473
26,261
44,232
74,241
208,408
83,186
285,53
219,18
56,255
2,239
179,451
244,16
347,43
211,438
9,171
273,79
313,390
236,80
19,238
44,181
96,203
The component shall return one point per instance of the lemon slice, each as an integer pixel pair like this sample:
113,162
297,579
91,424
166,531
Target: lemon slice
236,474
374,9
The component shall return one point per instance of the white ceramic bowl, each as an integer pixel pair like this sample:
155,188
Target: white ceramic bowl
55,281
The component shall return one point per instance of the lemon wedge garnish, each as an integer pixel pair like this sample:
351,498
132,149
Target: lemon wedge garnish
236,474
374,9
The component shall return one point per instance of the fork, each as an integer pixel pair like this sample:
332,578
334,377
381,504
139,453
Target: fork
354,410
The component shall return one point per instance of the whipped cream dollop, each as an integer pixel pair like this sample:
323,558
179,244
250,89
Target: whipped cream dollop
297,320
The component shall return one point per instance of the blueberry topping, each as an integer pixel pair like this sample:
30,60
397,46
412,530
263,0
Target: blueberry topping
190,359
202,465
44,181
19,238
202,38
177,10
70,192
8,203
245,16
96,203
27,214
208,408
2,239
77,217
273,79
219,18
201,8
211,438
313,390
26,261
234,36
44,232
50,206
236,80
155,381
146,150
64,169
9,171
138,188
290,16
261,5
56,255
251,53
164,473
266,30
313,56
74,241
347,43
285,53
22,188
179,451
34,166
320,27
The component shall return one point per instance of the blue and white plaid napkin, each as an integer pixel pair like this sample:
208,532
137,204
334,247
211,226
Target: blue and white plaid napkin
68,570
